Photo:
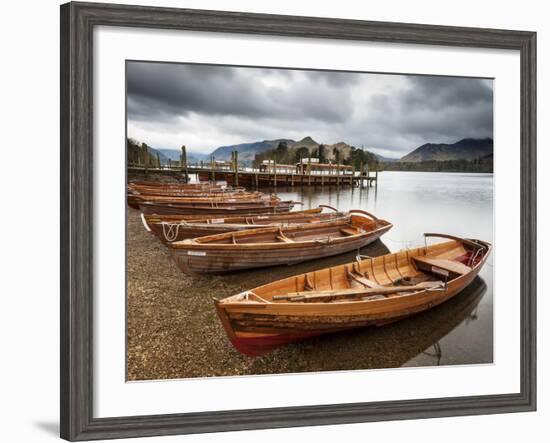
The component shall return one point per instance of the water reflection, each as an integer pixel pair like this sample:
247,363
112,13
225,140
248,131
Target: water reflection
255,277
399,343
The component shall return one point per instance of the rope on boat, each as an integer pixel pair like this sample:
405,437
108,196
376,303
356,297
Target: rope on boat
408,243
170,231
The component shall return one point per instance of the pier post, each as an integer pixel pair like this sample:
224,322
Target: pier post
158,160
236,167
145,157
212,169
275,172
183,163
376,177
309,169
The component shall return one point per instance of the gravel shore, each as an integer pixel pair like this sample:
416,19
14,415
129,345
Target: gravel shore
173,330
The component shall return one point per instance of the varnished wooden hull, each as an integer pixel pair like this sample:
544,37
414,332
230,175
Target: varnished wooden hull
255,328
177,230
214,257
156,218
225,210
134,200
171,184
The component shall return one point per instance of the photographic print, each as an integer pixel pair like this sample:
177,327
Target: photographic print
288,220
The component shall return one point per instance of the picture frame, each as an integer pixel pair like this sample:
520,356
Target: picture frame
76,212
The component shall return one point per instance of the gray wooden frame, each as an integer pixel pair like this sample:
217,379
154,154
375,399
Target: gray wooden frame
77,24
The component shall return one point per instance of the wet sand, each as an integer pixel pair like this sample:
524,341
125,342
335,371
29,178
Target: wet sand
173,330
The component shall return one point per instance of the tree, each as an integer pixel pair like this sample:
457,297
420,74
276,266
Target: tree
281,151
322,154
336,154
301,152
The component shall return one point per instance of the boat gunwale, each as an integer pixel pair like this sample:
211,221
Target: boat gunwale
282,223
383,226
152,218
229,303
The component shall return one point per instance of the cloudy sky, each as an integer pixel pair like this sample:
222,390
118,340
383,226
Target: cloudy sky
203,107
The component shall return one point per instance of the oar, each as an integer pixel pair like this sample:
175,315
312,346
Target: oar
319,295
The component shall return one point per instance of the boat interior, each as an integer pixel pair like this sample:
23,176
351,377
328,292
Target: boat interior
254,219
351,225
403,273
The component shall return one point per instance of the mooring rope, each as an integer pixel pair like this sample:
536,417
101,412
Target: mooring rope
170,231
408,243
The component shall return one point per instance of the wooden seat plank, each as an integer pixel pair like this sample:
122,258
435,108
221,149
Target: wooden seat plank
349,231
448,265
362,280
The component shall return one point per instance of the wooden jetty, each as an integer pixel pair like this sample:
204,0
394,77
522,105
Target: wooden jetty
306,173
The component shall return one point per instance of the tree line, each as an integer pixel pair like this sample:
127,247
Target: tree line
282,154
482,164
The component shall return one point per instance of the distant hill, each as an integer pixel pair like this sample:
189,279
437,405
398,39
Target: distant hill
466,149
174,155
467,155
247,151
293,152
306,142
386,159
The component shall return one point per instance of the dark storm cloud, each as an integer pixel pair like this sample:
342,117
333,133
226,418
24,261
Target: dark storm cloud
179,89
160,91
434,109
438,92
334,79
208,106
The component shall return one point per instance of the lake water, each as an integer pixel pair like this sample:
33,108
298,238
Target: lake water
417,202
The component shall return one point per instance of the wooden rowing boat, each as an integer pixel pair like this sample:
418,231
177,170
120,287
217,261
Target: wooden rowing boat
176,228
214,209
134,199
272,246
154,190
170,218
199,193
230,200
180,186
371,291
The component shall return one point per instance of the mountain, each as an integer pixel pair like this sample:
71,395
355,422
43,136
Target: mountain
247,151
466,149
155,154
386,159
306,142
174,155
